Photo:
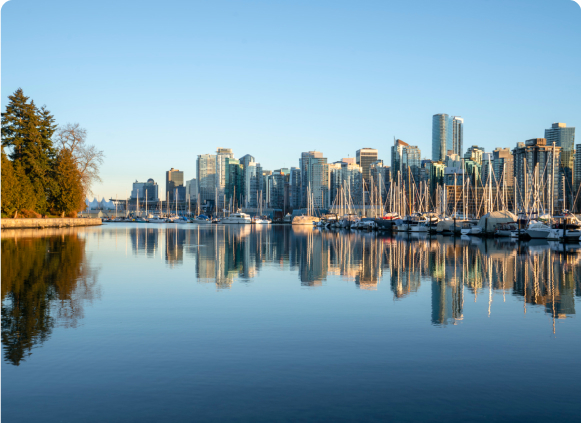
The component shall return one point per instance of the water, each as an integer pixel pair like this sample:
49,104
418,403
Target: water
148,323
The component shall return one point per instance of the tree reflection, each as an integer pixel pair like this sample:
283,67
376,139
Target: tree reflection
45,283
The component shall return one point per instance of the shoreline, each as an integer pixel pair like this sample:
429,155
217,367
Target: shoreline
49,223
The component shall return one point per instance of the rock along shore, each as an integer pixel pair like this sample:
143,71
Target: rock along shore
48,223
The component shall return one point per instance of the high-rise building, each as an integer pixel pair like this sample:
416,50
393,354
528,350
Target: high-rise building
577,179
192,189
364,158
345,181
206,176
295,188
304,164
318,181
234,187
145,189
211,174
442,136
276,184
174,178
222,156
473,165
536,172
406,162
437,171
457,134
380,176
503,163
564,137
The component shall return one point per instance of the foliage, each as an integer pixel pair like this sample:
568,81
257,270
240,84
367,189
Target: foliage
32,165
18,193
68,179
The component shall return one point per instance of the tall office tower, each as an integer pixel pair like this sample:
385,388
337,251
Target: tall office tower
318,181
174,178
457,135
147,189
380,176
502,164
222,155
304,166
565,138
406,162
487,169
335,182
536,172
577,179
442,136
206,176
365,157
233,186
276,184
192,189
437,171
295,188
472,165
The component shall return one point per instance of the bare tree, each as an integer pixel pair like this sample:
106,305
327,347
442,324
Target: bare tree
87,157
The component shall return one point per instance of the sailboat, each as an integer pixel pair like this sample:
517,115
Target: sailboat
307,219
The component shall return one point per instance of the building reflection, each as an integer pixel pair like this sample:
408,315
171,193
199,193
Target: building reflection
535,272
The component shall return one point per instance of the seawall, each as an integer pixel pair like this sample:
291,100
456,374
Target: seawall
48,223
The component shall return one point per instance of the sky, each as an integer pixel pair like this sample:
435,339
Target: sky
158,83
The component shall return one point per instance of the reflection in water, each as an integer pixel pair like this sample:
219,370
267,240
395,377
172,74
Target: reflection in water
45,283
533,272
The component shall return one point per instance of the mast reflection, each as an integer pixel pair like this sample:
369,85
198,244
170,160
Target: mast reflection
536,272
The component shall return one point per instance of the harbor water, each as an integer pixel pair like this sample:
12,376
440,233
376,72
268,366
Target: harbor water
257,323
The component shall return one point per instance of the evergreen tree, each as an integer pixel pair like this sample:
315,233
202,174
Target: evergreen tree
9,186
27,134
68,179
17,191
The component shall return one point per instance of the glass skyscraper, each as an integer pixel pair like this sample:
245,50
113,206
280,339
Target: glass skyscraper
443,135
406,160
457,135
365,157
564,137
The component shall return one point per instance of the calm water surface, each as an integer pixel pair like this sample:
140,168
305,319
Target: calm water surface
148,323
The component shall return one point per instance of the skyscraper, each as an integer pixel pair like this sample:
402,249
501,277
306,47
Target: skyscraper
295,188
364,158
443,136
406,162
502,164
174,178
143,189
304,166
565,138
536,176
318,181
206,175
457,135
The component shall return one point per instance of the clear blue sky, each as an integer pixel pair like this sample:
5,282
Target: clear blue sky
157,83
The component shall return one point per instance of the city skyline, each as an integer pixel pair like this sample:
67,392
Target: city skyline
252,79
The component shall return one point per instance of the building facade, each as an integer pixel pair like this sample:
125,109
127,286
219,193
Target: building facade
365,157
406,163
147,189
174,178
442,136
536,174
564,137
457,135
